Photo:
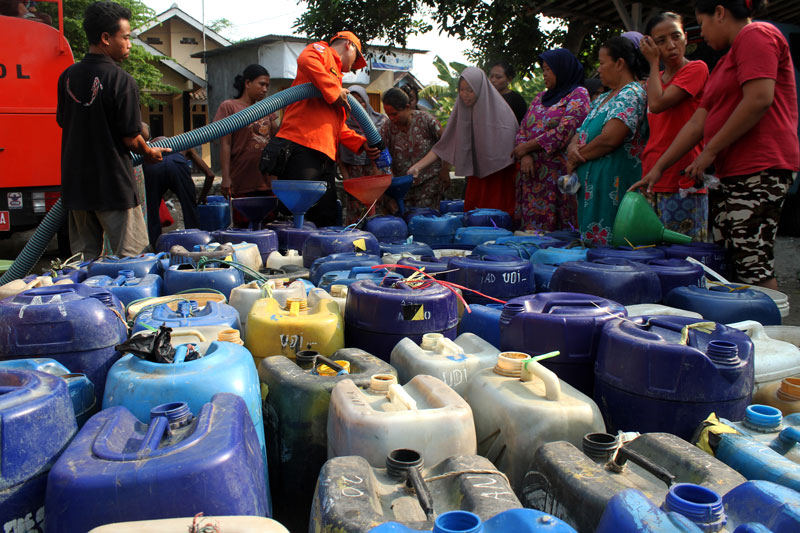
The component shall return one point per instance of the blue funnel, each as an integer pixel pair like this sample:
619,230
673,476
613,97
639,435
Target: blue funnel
255,208
398,190
298,196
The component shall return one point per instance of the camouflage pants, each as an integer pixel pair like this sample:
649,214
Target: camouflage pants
745,211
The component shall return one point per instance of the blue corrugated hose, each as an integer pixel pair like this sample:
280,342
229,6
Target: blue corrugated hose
57,215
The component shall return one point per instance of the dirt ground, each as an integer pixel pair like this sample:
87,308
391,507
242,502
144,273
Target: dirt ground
787,259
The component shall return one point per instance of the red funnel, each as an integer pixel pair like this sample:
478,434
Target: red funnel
367,189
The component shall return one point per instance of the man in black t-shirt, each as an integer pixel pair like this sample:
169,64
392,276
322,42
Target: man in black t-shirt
98,110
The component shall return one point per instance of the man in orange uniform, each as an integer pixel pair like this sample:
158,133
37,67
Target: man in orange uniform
305,147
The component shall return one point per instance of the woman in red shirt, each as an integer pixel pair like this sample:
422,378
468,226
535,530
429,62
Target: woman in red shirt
673,95
747,120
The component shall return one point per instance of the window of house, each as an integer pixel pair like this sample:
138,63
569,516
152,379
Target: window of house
156,125
198,121
189,40
154,40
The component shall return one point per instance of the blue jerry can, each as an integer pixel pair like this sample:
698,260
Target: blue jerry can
36,423
119,469
81,390
187,314
483,321
76,325
378,316
752,507
763,446
186,278
325,242
517,520
342,261
141,265
667,373
127,286
184,237
140,385
488,217
499,276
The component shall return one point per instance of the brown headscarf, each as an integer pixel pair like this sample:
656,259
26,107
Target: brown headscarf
478,140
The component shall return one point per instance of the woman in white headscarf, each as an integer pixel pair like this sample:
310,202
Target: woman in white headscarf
478,140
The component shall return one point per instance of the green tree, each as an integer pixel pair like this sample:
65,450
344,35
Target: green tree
388,20
498,29
220,25
507,29
140,64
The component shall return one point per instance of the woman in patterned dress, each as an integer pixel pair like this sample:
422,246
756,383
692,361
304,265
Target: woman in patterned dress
409,135
607,148
541,143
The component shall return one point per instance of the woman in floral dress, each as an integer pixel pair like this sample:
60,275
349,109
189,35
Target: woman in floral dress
551,121
607,147
409,135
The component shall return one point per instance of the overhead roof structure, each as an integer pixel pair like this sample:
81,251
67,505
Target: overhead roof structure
171,63
270,39
175,12
632,15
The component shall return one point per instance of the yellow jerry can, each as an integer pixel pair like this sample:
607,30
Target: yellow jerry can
276,330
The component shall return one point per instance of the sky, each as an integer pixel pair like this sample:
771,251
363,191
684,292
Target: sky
254,18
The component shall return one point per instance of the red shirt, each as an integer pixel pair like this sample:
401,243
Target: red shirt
664,126
759,51
315,122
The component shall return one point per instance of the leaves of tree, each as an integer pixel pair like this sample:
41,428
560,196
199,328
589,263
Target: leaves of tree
140,64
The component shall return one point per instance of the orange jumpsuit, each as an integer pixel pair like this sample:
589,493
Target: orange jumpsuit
315,122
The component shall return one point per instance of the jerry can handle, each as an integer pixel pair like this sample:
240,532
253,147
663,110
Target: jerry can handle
552,385
424,496
333,365
689,330
155,432
355,271
789,437
753,329
625,453
398,396
51,290
596,303
447,346
189,332
180,354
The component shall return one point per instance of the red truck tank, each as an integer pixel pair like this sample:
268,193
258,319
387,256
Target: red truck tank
34,56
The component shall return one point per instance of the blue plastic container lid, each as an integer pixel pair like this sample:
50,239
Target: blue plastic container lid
763,417
700,505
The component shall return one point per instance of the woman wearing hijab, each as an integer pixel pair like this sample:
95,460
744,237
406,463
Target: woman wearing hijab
541,145
478,140
352,165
